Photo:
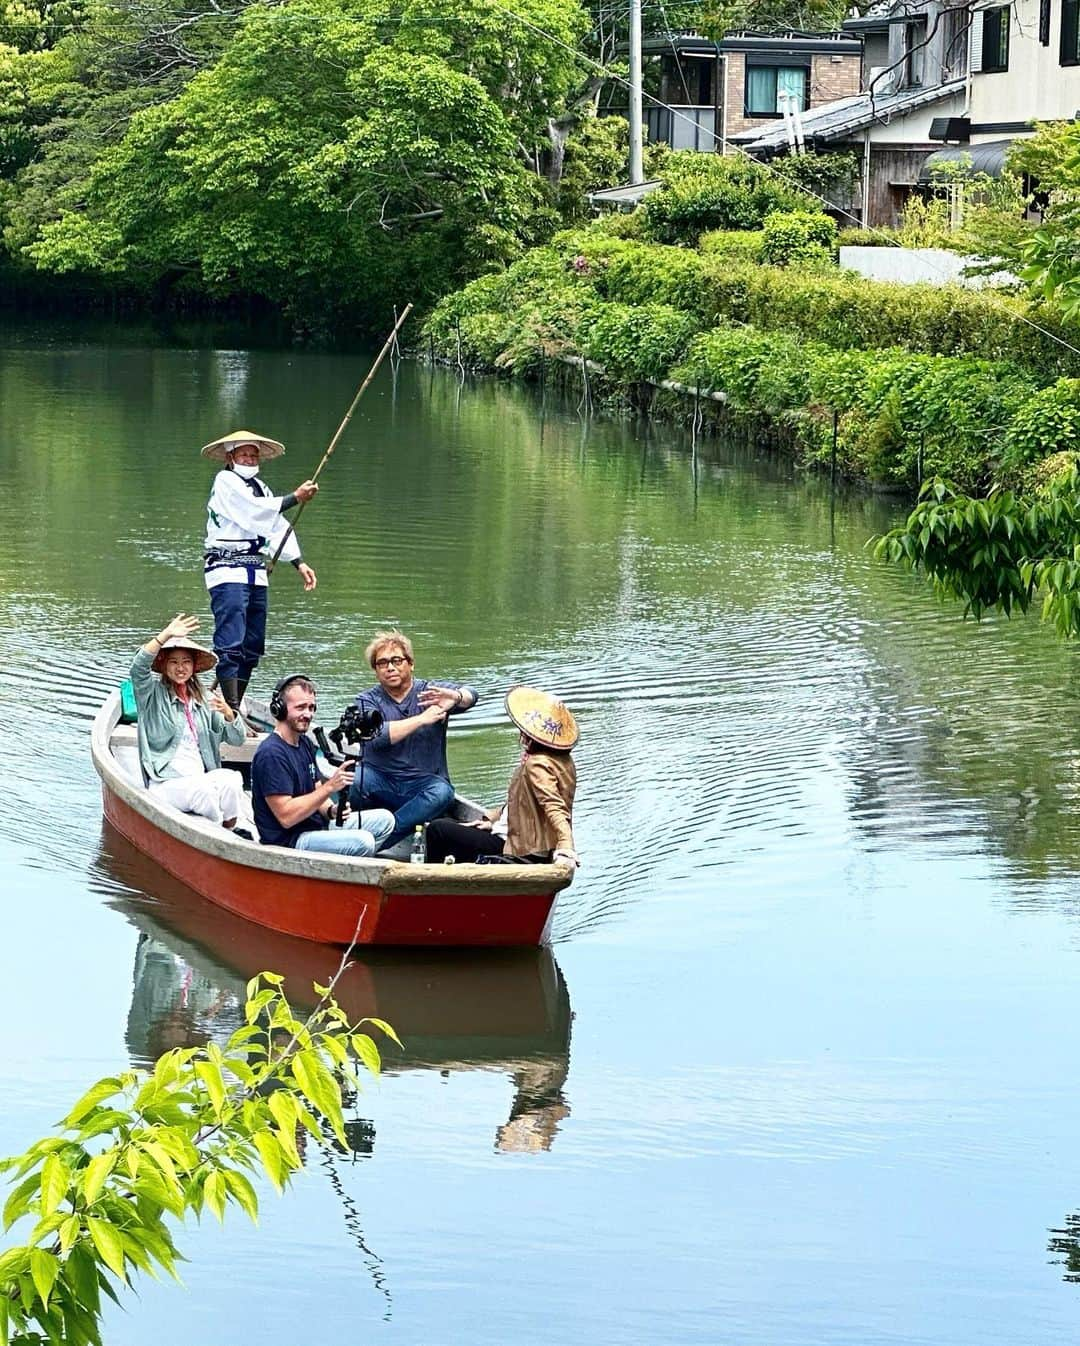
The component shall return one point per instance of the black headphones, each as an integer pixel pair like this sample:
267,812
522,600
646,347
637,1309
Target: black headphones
277,696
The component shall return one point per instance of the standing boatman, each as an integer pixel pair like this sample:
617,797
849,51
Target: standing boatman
245,526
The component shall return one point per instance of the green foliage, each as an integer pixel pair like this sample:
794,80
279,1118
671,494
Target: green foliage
1047,423
1051,260
997,552
798,238
597,154
142,1149
901,416
325,154
717,18
251,180
867,238
972,213
925,222
740,245
757,371
707,191
636,341
1047,156
794,345
657,275
845,310
819,173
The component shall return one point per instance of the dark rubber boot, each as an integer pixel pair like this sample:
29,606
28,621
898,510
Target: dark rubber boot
230,690
241,688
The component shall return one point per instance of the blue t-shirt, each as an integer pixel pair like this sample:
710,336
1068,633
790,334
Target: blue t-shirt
280,769
423,753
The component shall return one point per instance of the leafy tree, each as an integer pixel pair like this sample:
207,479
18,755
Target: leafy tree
335,154
323,153
719,17
1051,260
998,552
141,1150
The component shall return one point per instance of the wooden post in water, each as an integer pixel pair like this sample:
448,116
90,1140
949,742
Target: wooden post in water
835,434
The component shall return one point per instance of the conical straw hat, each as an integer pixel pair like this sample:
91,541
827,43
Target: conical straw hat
268,448
204,659
541,717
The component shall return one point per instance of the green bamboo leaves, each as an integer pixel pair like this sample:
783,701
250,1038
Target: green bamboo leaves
143,1149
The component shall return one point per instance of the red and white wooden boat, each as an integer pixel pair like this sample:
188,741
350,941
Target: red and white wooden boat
330,899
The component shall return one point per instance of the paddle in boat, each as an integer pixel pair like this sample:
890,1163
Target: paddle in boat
326,898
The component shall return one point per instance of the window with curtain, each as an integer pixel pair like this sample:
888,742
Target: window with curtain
765,85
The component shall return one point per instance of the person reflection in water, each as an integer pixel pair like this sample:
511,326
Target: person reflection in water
535,825
538,1108
174,1005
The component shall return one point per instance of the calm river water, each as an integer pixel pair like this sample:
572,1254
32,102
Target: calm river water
802,1064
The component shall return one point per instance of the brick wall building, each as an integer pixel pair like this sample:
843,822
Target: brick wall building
707,91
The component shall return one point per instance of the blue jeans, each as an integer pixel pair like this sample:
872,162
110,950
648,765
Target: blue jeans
413,799
239,627
361,834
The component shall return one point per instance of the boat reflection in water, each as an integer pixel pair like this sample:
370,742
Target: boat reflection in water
454,1010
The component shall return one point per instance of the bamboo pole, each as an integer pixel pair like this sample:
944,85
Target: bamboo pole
390,341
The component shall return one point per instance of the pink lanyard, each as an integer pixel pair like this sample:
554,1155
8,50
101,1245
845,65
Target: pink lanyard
190,719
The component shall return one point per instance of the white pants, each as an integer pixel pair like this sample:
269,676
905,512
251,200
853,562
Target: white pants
216,795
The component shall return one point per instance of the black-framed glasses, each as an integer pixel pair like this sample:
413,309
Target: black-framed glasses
394,661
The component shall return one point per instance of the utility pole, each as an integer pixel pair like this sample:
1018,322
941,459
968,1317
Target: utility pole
637,171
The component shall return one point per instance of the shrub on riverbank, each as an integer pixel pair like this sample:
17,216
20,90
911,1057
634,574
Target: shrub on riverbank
706,191
921,379
899,416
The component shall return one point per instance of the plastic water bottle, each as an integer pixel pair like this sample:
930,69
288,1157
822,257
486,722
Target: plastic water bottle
417,855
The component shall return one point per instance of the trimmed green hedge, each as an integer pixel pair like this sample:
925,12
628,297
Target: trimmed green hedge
922,379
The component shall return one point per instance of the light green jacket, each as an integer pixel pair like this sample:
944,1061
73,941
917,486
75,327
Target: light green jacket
162,721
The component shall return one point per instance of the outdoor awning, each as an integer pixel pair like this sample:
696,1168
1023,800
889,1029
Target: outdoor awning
988,158
625,197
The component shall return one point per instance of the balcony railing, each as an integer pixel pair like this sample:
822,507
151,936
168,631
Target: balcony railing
689,127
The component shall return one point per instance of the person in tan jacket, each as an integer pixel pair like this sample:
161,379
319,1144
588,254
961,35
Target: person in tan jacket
535,825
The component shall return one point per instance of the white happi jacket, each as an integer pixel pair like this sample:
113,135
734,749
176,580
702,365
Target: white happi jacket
244,521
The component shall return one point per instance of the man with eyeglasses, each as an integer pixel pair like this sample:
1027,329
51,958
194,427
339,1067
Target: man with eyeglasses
405,764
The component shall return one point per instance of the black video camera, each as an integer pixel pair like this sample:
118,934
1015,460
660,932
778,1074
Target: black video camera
356,726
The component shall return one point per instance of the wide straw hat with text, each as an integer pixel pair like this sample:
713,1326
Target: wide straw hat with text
204,659
541,717
268,448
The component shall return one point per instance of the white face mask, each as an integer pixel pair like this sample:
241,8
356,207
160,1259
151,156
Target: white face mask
247,472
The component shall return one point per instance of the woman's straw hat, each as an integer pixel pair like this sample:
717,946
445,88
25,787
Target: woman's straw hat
268,448
204,659
542,718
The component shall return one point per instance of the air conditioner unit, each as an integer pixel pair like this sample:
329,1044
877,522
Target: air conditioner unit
956,129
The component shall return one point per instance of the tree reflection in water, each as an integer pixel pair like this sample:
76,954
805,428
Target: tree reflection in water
1065,1245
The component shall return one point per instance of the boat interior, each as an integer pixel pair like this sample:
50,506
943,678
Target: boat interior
123,746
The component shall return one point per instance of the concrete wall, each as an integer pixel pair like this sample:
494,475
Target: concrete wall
933,266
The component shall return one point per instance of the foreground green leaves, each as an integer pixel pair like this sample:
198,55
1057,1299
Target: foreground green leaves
141,1150
999,552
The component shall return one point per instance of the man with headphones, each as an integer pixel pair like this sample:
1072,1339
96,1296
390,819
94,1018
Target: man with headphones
293,804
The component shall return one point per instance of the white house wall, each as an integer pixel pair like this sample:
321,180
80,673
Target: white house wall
1036,87
914,129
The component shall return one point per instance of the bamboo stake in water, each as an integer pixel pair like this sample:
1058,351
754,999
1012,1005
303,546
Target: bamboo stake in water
390,340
